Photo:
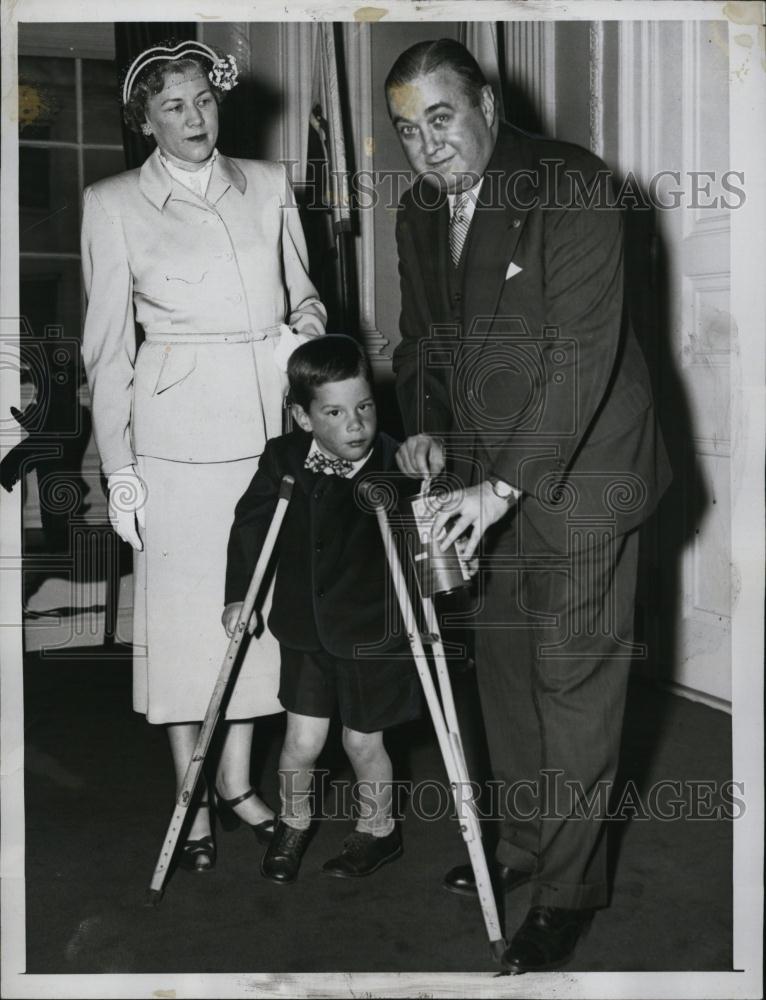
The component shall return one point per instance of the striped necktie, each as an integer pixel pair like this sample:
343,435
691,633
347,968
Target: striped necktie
458,227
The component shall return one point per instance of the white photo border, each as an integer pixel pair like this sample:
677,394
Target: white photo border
748,295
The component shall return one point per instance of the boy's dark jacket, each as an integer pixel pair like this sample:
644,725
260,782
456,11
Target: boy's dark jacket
332,588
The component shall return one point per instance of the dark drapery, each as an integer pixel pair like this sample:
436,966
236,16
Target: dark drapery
130,39
328,218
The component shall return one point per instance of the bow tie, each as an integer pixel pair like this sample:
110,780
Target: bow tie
319,462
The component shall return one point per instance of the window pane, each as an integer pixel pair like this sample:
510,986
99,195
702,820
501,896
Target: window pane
50,296
49,199
47,107
50,341
101,163
57,421
101,104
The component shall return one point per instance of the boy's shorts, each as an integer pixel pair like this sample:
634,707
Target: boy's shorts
370,694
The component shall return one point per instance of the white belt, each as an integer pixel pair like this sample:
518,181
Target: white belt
239,337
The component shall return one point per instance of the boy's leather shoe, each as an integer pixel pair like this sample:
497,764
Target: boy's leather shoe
461,879
546,940
283,855
363,854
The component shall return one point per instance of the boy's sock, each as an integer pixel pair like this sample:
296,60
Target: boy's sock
296,807
378,826
377,818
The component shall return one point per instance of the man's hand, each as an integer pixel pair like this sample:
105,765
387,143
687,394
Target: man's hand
472,510
230,617
471,563
420,456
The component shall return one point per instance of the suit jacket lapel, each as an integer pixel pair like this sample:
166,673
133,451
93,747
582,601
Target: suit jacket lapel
303,476
225,174
496,229
154,181
158,185
374,463
431,238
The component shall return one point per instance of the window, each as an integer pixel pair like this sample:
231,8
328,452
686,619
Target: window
69,136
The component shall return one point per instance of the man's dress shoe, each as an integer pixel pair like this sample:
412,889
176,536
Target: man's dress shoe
283,855
363,854
461,879
546,940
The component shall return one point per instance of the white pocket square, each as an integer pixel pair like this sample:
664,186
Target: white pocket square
512,269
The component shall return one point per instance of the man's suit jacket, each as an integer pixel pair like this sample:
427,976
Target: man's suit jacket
332,587
543,383
230,263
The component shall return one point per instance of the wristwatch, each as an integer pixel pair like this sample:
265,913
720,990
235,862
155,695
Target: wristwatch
503,490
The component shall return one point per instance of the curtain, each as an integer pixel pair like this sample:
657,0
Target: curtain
485,40
329,223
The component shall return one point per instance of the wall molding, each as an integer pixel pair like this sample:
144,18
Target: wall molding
626,153
691,694
297,44
530,65
596,87
639,98
700,221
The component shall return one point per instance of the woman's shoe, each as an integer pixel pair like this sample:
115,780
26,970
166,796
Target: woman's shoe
198,855
230,820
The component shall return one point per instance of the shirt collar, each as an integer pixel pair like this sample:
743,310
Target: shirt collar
195,180
355,466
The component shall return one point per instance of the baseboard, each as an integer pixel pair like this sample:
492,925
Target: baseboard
692,695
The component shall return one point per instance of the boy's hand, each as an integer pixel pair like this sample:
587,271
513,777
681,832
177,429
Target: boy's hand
421,455
230,617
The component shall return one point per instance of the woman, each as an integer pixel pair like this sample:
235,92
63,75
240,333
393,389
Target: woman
209,253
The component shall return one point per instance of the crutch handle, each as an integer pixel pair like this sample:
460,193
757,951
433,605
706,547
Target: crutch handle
286,488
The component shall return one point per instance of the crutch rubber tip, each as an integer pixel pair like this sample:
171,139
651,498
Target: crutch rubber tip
153,897
498,949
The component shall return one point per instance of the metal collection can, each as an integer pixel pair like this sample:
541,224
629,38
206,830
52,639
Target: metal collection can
437,572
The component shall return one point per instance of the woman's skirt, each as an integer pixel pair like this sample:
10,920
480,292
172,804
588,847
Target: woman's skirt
179,641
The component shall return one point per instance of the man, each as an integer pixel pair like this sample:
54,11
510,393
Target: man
518,373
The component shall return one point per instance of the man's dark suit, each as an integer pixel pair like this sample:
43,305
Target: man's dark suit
524,361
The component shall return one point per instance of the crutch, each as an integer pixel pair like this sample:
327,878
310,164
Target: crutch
186,792
445,723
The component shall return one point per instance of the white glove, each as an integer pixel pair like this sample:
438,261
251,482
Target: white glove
288,340
127,505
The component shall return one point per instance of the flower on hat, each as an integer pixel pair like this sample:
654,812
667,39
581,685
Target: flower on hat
224,73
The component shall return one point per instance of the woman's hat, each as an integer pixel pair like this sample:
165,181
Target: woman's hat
223,74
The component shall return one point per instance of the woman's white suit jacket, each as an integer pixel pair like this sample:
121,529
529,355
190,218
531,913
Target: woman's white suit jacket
205,277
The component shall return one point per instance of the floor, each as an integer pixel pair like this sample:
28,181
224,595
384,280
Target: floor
99,795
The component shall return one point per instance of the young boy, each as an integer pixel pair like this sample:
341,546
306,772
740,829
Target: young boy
331,610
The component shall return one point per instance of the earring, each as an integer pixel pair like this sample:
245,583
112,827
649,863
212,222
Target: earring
146,129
